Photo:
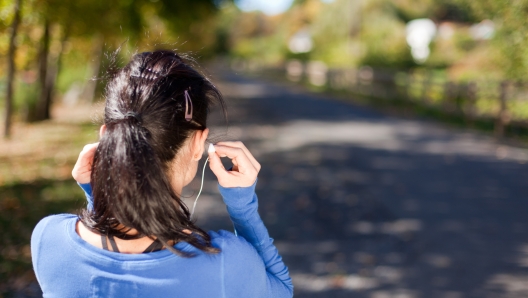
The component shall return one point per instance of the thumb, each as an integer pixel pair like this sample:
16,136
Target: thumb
216,165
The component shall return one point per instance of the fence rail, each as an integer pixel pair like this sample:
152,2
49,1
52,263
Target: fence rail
503,103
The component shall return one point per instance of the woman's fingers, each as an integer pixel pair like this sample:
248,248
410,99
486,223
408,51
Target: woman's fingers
89,150
225,178
83,167
237,155
216,166
243,174
241,145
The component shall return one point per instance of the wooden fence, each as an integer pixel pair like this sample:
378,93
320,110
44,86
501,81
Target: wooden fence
504,103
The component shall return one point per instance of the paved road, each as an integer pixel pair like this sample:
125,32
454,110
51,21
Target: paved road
362,204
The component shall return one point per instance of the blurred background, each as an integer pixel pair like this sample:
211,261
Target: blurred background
392,133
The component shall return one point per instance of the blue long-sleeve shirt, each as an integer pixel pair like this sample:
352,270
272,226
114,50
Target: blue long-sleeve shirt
248,265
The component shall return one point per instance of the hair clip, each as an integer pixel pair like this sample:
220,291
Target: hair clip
188,111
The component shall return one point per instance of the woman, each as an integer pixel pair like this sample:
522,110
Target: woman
136,238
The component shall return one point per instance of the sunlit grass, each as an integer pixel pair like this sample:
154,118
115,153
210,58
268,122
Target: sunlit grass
47,150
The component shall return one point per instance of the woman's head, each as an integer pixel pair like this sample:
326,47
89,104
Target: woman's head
149,150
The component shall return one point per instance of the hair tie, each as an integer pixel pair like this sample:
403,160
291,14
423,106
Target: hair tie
133,115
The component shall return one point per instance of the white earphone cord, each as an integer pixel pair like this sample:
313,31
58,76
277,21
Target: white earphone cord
201,186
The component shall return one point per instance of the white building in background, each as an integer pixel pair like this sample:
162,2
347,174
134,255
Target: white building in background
420,33
483,30
301,42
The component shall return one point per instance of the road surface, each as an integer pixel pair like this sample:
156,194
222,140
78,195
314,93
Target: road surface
363,204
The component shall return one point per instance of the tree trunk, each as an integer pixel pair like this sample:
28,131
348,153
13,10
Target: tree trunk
54,66
91,86
43,104
503,117
65,36
11,70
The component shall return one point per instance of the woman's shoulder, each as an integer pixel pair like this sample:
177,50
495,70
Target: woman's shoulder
48,237
228,239
56,219
235,247
51,224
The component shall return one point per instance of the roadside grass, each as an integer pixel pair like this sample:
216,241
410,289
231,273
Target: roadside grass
35,181
22,205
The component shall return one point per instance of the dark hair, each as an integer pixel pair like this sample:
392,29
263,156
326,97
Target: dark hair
145,129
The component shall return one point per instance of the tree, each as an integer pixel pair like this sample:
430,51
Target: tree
11,68
109,24
511,32
44,101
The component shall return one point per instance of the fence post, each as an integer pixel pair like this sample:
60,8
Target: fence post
428,77
366,79
408,87
502,116
391,91
472,100
449,97
352,80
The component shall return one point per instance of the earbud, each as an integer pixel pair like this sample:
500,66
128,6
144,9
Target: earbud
211,149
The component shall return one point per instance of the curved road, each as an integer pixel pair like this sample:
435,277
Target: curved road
362,204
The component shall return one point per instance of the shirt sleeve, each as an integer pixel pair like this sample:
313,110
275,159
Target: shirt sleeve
87,187
242,206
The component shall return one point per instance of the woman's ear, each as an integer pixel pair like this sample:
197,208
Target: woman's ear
102,130
198,143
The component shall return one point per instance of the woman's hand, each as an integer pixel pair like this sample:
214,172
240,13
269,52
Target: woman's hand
83,167
245,166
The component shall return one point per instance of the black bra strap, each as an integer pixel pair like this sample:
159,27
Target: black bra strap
103,241
113,243
154,246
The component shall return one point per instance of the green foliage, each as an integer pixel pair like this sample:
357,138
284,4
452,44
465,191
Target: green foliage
336,21
335,31
407,10
464,41
268,49
511,32
437,10
75,72
384,38
254,35
26,99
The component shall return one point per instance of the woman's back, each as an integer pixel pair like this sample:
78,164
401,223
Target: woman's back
88,271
